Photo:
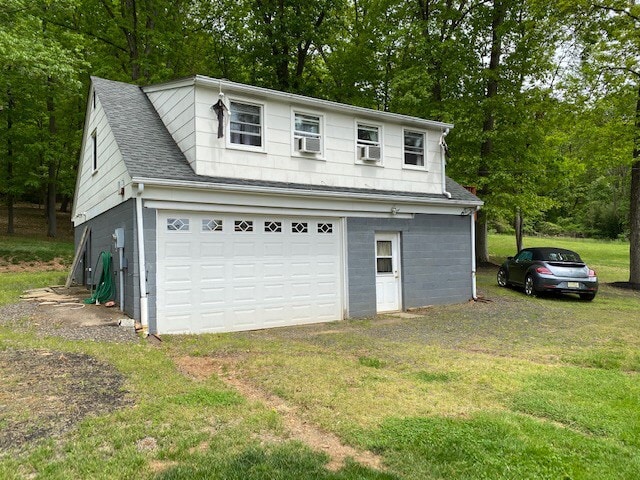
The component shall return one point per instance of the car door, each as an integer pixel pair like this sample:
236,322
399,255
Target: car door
519,266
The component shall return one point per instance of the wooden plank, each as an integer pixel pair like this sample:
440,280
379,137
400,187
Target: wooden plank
76,258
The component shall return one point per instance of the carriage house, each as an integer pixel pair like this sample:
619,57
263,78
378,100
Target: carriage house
230,207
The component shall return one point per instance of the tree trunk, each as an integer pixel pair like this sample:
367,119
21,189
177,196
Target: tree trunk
52,171
64,205
518,224
10,198
482,238
488,126
634,210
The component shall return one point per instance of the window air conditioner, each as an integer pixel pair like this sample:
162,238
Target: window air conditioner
308,144
370,153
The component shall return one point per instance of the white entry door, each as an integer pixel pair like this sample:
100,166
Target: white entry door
387,272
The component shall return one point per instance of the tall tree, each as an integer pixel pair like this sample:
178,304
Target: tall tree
37,64
610,34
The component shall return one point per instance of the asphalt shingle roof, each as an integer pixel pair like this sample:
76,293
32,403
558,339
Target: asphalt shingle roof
150,152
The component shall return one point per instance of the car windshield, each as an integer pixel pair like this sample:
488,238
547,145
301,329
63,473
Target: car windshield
561,256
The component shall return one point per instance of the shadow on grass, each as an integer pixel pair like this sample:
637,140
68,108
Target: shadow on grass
290,460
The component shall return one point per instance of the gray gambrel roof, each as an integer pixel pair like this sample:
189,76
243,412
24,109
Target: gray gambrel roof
150,152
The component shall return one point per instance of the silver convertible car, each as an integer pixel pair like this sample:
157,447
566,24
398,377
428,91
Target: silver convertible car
548,269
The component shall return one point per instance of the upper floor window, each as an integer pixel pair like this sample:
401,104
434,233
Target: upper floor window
246,124
368,146
414,148
307,133
94,150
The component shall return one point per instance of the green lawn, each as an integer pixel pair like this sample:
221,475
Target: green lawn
514,387
17,249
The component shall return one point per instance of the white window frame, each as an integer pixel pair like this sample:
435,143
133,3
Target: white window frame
361,143
263,136
409,166
94,150
295,135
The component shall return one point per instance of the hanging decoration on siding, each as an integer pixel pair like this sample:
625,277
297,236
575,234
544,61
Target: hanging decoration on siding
444,146
220,108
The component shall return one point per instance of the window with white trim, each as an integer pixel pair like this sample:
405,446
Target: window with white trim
414,148
307,133
245,124
368,143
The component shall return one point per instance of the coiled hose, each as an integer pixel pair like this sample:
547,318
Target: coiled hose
105,289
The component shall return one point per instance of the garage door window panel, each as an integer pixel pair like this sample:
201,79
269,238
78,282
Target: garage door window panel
177,224
211,225
299,227
273,227
243,226
325,227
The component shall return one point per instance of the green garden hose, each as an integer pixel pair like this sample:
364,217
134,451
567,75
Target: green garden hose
105,289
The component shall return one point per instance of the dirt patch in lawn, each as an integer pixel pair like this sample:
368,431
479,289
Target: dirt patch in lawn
56,265
45,393
297,428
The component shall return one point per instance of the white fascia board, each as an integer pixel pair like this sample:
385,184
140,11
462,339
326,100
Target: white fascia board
226,86
170,195
272,210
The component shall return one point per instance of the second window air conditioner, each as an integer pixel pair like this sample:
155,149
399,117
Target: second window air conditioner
308,144
370,153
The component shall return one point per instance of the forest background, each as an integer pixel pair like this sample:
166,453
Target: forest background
544,95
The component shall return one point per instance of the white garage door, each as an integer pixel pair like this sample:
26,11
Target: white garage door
230,272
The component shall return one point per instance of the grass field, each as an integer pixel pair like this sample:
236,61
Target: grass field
16,250
514,387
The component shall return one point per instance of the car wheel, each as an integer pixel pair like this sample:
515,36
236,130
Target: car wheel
529,288
502,278
587,296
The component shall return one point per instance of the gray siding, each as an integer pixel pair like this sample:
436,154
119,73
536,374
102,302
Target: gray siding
435,255
102,229
100,239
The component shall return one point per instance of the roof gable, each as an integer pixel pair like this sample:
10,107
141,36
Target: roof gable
147,148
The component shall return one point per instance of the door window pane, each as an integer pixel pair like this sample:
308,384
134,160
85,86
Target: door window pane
384,265
384,248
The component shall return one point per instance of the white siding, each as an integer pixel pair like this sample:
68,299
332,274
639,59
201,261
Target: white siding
337,165
176,109
98,191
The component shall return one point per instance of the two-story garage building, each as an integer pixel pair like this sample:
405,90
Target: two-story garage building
238,207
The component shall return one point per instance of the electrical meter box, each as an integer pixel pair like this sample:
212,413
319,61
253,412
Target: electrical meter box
119,237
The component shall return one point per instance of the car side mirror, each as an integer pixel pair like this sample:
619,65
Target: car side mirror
509,258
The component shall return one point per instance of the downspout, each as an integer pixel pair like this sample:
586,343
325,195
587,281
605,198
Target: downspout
472,216
443,155
144,304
